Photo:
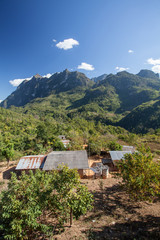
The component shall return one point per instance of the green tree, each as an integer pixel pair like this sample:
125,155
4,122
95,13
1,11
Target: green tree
8,152
27,202
113,146
57,145
140,174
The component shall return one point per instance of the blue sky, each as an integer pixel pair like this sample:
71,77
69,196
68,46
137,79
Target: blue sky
91,36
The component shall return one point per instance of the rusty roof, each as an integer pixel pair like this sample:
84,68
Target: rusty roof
31,162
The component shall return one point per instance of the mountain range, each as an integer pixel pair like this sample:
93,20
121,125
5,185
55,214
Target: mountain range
125,99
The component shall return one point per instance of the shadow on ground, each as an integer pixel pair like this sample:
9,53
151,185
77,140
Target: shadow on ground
125,219
146,229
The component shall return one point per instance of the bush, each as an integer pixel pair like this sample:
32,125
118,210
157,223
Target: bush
57,145
113,146
140,175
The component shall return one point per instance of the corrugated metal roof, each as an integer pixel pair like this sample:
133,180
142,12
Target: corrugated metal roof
94,170
62,136
99,168
128,148
65,141
118,155
31,162
73,159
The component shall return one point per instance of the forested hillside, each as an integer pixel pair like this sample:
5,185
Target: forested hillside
144,118
27,134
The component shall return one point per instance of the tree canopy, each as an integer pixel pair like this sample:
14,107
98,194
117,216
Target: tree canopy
29,202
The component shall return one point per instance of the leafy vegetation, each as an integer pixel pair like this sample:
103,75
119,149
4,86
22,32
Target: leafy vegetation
27,134
145,118
29,201
140,175
113,146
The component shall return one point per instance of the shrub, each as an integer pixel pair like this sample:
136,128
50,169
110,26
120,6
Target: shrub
140,174
113,146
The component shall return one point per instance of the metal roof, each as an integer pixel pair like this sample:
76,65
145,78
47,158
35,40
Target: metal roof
62,136
73,159
128,148
65,142
31,162
118,155
99,168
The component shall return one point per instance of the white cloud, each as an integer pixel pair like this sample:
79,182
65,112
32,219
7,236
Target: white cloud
153,61
130,51
1,101
17,82
67,44
54,40
86,66
156,68
120,69
48,75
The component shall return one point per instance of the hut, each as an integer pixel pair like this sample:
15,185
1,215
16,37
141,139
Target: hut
73,159
100,170
114,157
65,141
32,162
128,148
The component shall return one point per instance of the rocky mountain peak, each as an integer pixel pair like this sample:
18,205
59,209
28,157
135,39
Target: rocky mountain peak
148,74
37,76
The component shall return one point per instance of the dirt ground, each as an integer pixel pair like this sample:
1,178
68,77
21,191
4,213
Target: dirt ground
114,215
5,173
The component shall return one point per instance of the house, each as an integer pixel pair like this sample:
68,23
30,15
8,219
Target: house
115,156
73,159
62,137
128,148
118,155
64,140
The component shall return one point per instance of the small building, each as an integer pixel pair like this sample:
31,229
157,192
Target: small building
115,156
64,140
128,148
32,162
65,143
62,137
73,159
100,170
118,155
